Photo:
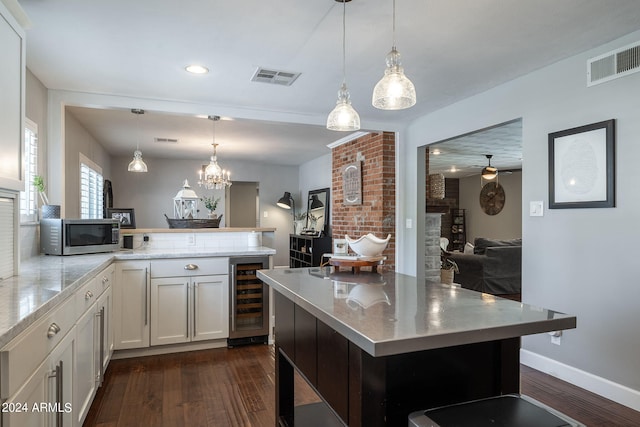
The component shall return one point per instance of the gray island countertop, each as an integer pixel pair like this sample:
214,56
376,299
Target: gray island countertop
391,313
47,280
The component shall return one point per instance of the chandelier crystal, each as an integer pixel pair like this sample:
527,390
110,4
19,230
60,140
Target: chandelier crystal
213,177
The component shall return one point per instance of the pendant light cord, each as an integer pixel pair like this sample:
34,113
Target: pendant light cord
344,36
394,24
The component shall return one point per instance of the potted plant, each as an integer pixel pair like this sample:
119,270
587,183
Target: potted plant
299,222
447,268
211,204
48,211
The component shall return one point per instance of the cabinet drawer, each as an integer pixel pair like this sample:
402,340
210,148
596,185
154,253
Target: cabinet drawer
23,354
87,295
189,267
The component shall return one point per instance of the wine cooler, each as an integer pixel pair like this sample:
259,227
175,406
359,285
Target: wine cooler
249,302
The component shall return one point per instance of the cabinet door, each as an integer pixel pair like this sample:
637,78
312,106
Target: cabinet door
60,382
85,364
12,78
169,310
18,410
210,307
131,305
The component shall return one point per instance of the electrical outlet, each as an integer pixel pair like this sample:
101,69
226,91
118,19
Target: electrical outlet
191,239
145,237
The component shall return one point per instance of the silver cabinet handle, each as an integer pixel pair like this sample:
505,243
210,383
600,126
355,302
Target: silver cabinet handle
146,308
57,374
188,286
88,295
53,330
105,279
191,267
100,375
195,316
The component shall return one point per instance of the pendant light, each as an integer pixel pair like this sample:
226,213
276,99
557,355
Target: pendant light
394,91
137,164
489,172
214,177
343,117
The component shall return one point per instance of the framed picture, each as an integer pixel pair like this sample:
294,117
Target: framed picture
126,217
582,167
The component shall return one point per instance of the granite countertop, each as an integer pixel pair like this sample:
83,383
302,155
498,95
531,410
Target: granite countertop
47,280
391,313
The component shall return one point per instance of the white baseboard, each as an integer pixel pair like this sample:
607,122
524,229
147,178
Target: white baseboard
613,391
167,349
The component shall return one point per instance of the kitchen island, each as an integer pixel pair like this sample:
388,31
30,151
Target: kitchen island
377,347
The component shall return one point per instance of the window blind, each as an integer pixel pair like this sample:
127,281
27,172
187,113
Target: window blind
91,183
28,197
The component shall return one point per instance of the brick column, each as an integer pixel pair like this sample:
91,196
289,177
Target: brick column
377,212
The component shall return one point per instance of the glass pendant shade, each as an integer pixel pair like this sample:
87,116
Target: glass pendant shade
394,91
343,117
137,164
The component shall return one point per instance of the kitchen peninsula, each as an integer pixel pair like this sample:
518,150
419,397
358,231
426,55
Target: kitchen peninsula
378,347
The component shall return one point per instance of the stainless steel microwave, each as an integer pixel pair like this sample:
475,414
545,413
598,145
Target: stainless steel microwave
79,236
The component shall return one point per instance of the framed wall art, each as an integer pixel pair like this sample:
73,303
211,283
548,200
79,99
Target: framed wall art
582,167
126,217
352,184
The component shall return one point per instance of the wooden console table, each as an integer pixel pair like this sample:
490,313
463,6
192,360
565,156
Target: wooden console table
430,345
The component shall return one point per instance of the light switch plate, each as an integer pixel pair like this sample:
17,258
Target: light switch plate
536,208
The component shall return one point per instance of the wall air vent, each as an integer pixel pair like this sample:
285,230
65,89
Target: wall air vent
618,63
165,140
276,77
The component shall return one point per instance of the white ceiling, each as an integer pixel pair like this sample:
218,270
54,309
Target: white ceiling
451,49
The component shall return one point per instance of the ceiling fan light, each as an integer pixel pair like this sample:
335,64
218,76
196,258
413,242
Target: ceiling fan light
343,117
394,91
489,172
137,164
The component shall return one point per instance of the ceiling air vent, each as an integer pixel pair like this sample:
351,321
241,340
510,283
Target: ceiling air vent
618,63
166,140
276,77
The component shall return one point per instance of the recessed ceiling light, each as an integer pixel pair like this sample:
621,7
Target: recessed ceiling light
197,69
436,152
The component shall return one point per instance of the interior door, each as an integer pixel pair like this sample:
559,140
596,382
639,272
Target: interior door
242,205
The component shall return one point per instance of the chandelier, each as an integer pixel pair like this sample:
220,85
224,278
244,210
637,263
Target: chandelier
213,177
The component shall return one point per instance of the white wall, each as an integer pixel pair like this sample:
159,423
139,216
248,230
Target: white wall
36,111
78,140
314,175
151,194
578,261
505,225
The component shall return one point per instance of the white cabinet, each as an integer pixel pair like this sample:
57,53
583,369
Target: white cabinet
85,366
93,305
45,399
12,86
131,305
189,300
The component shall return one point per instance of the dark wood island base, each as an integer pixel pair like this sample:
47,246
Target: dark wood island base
370,391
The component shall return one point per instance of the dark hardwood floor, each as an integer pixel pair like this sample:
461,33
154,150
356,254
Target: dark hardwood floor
235,387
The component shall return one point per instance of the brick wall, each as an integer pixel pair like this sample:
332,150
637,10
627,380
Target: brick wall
377,212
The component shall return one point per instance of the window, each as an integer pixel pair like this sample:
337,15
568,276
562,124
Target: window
28,197
91,183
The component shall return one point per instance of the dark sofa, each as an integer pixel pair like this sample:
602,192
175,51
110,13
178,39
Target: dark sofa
495,267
